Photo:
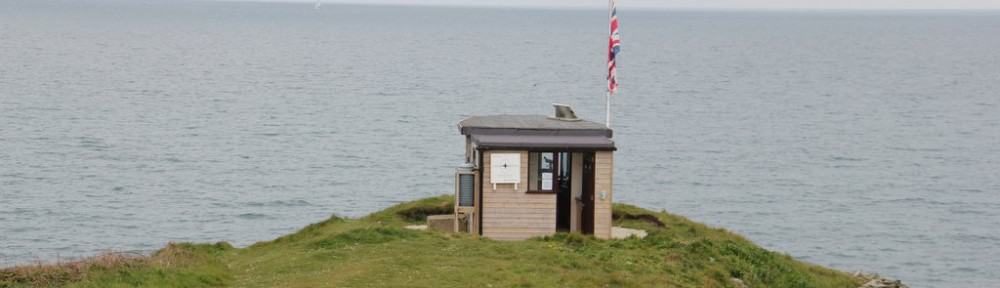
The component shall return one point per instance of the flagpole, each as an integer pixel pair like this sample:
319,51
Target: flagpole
607,109
607,96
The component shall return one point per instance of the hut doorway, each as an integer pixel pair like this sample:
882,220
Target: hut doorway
564,193
587,195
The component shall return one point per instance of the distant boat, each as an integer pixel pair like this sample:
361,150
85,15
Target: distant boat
318,4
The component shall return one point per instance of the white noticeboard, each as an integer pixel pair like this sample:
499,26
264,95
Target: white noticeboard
505,168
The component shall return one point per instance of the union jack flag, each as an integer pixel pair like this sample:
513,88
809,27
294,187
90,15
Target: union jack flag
614,45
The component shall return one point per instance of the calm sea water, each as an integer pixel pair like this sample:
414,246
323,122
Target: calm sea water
858,140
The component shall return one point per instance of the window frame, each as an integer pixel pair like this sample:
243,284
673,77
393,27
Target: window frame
534,179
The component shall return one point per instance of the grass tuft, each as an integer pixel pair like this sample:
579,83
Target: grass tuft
364,236
416,211
62,273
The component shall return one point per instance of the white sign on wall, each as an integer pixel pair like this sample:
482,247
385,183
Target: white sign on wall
546,181
505,168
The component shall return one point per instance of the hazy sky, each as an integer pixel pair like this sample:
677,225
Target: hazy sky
715,4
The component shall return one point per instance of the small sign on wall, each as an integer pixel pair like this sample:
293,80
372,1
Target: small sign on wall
505,168
546,181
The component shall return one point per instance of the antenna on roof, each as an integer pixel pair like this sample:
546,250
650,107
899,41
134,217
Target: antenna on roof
564,113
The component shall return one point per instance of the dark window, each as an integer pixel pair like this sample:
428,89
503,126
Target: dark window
466,188
542,171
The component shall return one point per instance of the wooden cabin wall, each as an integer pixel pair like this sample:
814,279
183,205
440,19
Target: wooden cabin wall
604,170
510,214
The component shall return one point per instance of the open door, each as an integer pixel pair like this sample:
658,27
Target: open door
564,195
587,195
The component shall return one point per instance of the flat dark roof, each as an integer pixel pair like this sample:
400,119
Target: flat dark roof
516,123
536,132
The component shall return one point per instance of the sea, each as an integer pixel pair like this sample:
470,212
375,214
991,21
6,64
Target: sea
858,140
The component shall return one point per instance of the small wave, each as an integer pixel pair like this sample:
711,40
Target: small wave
765,213
918,200
20,229
703,184
222,204
279,203
961,211
915,264
111,157
12,182
96,144
911,149
292,203
840,255
888,249
253,216
349,156
972,238
347,166
849,159
966,270
685,91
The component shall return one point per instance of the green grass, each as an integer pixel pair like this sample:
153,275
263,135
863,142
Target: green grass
376,251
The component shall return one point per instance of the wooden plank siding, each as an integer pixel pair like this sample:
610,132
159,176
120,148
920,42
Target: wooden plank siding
604,170
513,214
510,214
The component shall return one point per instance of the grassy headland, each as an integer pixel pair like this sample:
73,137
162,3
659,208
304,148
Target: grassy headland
376,251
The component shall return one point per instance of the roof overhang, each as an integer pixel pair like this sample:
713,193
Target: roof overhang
543,142
607,133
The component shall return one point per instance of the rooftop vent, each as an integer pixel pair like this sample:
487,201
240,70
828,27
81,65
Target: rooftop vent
564,113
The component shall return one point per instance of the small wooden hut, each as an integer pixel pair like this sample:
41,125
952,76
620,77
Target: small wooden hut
533,175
